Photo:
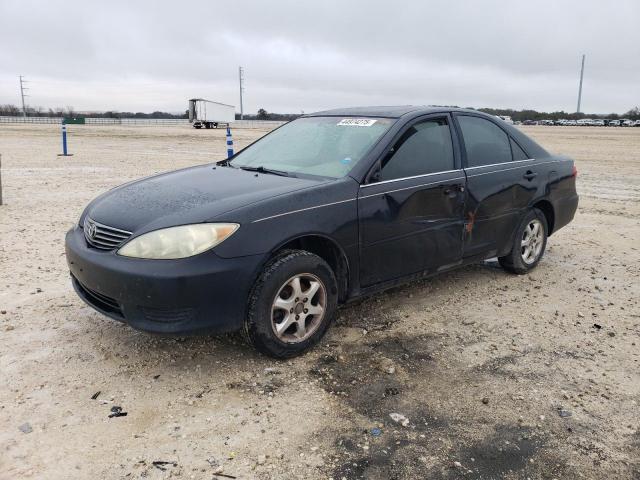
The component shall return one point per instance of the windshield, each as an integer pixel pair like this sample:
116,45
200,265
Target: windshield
323,146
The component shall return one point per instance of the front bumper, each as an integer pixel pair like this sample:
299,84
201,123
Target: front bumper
204,293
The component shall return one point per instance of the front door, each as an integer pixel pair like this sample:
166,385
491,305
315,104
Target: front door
411,209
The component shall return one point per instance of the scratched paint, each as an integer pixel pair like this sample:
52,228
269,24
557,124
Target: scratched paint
470,222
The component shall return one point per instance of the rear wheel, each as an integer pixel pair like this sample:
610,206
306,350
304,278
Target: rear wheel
291,305
529,243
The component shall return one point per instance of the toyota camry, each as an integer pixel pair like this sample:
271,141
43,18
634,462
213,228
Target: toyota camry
323,210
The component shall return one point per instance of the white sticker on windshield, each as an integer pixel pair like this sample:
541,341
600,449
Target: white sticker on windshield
357,122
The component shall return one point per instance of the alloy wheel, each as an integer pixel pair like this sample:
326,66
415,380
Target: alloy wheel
298,308
532,241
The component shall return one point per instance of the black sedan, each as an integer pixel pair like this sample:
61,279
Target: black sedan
327,208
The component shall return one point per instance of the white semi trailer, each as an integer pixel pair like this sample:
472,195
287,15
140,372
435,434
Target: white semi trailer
208,114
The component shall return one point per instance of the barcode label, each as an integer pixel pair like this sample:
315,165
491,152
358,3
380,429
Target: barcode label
357,122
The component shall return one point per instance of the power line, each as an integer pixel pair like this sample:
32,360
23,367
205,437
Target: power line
22,94
241,78
580,87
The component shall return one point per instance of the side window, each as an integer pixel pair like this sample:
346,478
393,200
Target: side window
424,148
518,153
485,142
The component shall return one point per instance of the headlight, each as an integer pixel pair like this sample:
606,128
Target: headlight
178,242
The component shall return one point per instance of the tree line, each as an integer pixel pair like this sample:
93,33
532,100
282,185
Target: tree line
517,115
521,115
9,110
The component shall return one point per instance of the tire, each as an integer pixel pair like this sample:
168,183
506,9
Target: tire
524,258
278,323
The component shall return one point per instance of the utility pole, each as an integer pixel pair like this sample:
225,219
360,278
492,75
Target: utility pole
241,78
580,88
22,95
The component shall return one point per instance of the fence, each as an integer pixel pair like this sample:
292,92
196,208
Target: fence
268,124
56,120
136,121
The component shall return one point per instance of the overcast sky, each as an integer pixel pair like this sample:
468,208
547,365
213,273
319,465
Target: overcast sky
306,56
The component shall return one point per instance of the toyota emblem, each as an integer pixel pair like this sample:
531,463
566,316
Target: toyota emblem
91,229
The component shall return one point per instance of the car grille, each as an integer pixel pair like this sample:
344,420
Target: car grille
102,236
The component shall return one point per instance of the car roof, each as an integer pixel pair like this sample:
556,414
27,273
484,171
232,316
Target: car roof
394,111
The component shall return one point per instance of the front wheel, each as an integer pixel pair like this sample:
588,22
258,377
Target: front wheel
529,244
291,305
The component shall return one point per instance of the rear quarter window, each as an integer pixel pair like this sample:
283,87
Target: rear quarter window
518,153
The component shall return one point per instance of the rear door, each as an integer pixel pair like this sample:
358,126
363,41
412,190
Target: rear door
501,183
410,209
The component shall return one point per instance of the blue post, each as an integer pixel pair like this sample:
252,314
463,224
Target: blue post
64,139
64,142
229,143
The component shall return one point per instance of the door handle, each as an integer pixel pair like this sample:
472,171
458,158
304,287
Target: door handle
530,175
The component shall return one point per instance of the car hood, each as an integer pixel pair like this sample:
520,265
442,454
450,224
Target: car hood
192,195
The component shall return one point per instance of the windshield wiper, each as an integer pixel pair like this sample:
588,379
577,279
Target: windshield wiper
262,169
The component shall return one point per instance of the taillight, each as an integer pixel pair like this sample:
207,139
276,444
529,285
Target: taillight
574,172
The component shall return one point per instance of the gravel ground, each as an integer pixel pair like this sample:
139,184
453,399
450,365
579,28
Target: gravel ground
487,375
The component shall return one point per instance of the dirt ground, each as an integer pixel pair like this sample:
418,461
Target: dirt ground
499,376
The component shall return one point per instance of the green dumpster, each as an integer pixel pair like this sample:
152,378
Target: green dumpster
74,120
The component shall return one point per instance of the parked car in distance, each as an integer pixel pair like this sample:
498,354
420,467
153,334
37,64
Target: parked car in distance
597,122
571,123
636,123
328,208
530,122
625,122
505,118
614,123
